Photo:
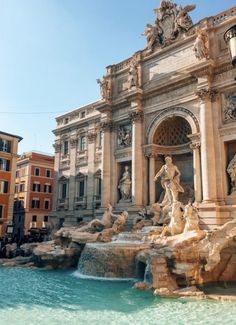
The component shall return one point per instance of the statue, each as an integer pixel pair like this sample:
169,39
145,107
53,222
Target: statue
230,110
133,74
104,88
191,218
183,20
125,186
200,46
151,34
177,222
169,174
231,170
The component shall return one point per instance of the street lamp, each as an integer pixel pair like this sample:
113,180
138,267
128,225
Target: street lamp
230,40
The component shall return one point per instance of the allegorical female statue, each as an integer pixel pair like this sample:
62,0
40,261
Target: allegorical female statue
125,186
169,174
231,170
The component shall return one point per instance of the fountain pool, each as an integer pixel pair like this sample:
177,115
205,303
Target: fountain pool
38,297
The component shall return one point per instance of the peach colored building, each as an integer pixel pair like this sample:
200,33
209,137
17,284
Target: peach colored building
33,191
8,156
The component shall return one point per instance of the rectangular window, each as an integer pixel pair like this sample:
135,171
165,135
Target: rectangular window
22,187
46,204
17,173
4,164
83,143
81,188
82,114
63,190
5,145
16,188
99,186
36,187
65,147
37,172
1,211
47,188
35,204
45,219
48,173
3,187
34,218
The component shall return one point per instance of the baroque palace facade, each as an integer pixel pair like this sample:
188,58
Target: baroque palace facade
175,98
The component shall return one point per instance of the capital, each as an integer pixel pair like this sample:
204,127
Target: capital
207,94
136,116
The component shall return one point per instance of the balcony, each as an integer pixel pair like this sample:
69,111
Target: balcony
63,204
80,202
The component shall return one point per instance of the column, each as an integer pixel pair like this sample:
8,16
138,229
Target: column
72,186
207,145
90,189
197,179
137,158
106,127
57,148
152,184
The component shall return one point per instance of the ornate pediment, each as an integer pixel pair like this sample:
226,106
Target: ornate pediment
171,21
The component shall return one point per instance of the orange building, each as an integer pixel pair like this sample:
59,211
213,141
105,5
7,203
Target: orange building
8,156
33,192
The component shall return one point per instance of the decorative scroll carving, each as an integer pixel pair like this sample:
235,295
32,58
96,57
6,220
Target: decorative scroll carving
230,109
207,93
92,135
73,142
105,88
195,145
231,170
124,136
57,147
136,116
201,45
106,126
171,21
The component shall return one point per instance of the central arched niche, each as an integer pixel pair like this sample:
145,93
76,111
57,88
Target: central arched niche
171,137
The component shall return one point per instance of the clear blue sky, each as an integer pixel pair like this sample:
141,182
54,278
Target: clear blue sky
52,52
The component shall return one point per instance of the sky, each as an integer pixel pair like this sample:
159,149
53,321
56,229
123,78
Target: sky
52,52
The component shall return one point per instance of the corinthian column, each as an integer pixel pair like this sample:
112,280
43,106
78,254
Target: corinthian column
197,179
106,127
207,96
92,135
137,158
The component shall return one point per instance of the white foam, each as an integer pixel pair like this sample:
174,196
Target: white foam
97,278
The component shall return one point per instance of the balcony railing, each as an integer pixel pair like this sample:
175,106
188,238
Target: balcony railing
63,203
80,202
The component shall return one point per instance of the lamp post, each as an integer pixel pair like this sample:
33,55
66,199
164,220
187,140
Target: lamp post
230,40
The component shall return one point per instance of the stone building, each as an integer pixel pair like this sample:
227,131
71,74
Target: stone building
8,156
33,192
177,98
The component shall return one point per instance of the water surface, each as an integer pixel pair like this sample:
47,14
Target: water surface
37,297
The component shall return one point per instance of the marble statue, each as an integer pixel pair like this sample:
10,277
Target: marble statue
125,186
231,170
169,174
200,45
177,222
171,21
120,222
133,74
104,88
191,218
230,110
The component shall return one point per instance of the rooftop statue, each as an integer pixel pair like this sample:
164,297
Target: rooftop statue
201,45
104,88
171,21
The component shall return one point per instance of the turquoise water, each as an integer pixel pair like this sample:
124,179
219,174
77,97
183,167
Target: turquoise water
37,297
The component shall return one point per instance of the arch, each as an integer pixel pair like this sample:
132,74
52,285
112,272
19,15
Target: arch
172,112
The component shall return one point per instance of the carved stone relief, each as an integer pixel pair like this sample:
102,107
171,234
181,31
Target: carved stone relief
201,45
229,113
231,170
124,136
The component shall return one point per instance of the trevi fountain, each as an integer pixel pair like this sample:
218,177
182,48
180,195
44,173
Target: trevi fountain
158,265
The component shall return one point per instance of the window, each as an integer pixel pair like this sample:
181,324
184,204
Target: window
16,188
81,188
48,173
1,211
3,187
65,148
5,145
23,172
47,188
45,219
17,173
66,121
37,172
36,187
46,204
99,189
35,204
63,190
82,114
34,218
22,187
4,164
83,143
